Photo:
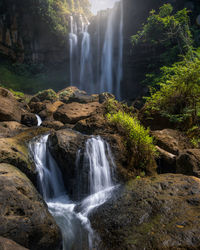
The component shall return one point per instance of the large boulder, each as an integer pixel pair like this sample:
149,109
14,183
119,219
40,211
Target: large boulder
160,212
67,147
24,217
188,162
74,112
15,151
29,119
11,128
52,124
6,244
45,95
171,140
73,94
9,107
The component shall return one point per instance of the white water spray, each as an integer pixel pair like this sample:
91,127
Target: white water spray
75,226
39,120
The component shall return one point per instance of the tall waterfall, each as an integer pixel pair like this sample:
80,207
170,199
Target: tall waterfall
86,76
73,45
71,216
100,52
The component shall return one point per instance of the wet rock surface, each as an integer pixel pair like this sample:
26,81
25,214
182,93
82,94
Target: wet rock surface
64,145
24,217
160,212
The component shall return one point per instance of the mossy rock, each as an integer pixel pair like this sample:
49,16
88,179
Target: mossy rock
160,212
15,151
45,95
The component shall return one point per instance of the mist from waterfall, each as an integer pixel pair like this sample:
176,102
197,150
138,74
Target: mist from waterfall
96,56
72,216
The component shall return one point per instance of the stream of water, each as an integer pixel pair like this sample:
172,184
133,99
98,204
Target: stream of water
72,216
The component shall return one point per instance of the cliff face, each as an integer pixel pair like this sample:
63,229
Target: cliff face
36,31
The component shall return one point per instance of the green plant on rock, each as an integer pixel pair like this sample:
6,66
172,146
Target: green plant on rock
138,141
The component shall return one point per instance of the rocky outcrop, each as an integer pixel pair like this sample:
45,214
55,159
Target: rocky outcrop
152,213
64,145
45,95
29,119
53,124
24,217
9,107
10,129
188,162
14,151
73,94
171,140
74,112
6,244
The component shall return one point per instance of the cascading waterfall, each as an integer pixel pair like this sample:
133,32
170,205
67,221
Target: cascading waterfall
71,216
100,62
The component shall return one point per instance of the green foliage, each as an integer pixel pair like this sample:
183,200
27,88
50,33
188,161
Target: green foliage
138,140
31,78
56,12
165,35
178,97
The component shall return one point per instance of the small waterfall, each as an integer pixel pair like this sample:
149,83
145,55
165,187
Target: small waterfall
39,120
71,216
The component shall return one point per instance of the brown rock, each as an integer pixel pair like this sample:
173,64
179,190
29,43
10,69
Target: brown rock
14,151
53,124
74,112
10,129
171,140
188,162
73,94
36,107
29,119
64,146
166,161
161,212
9,107
24,217
6,244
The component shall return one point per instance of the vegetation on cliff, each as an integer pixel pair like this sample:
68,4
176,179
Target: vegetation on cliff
167,35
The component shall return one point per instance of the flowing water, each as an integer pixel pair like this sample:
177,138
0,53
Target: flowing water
73,53
97,64
39,120
72,216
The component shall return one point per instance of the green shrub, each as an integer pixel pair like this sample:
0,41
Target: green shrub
178,97
138,141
